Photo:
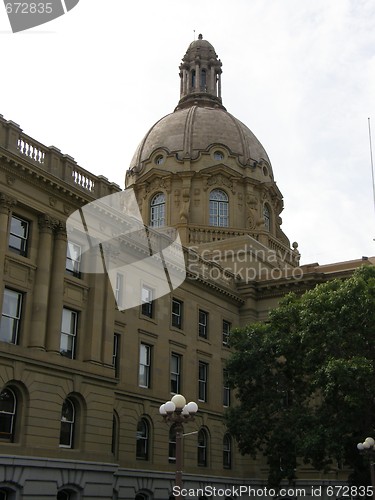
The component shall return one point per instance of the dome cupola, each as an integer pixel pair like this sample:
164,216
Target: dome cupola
200,75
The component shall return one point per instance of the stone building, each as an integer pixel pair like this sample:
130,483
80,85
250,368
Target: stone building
81,379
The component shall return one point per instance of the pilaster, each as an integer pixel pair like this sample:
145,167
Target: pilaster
56,295
42,279
6,204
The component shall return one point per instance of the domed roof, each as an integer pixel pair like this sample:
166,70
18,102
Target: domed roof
195,129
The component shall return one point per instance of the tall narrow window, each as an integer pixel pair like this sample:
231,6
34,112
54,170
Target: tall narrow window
219,211
68,333
202,448
176,313
175,373
144,365
226,330
227,452
116,354
115,434
8,407
172,444
203,324
193,79
267,217
18,235
203,80
157,218
4,495
119,291
226,389
67,424
11,316
202,381
147,295
143,439
73,259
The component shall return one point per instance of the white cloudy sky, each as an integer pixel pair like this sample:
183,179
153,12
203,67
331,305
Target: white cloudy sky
299,73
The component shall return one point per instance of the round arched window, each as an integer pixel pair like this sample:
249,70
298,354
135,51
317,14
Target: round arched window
157,210
219,208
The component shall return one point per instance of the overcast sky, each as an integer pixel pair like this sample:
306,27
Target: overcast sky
300,74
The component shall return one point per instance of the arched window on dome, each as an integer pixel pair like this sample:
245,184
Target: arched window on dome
219,208
157,210
267,217
203,80
193,79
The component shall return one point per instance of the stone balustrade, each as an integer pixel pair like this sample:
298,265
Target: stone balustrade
51,160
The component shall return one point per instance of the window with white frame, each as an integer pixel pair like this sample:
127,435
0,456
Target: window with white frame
68,337
143,436
19,235
175,373
227,451
73,259
147,304
8,408
144,365
11,316
202,381
119,290
157,210
267,217
226,389
203,324
172,444
202,448
177,313
68,417
219,208
226,330
116,354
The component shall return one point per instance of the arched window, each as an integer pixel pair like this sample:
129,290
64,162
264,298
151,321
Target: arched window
68,417
202,448
8,408
203,80
172,444
227,452
267,217
157,216
143,439
67,494
219,211
193,79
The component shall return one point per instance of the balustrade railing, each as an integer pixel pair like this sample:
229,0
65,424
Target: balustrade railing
51,160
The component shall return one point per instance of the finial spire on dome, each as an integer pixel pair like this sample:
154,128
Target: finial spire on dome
200,74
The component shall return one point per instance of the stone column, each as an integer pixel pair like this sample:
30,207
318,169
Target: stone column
197,77
6,204
42,279
212,82
92,348
219,85
56,295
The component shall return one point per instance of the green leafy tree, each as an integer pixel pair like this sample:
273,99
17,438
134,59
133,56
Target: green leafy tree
305,381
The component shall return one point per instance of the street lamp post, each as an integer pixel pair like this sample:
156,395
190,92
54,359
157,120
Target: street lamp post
178,412
367,448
